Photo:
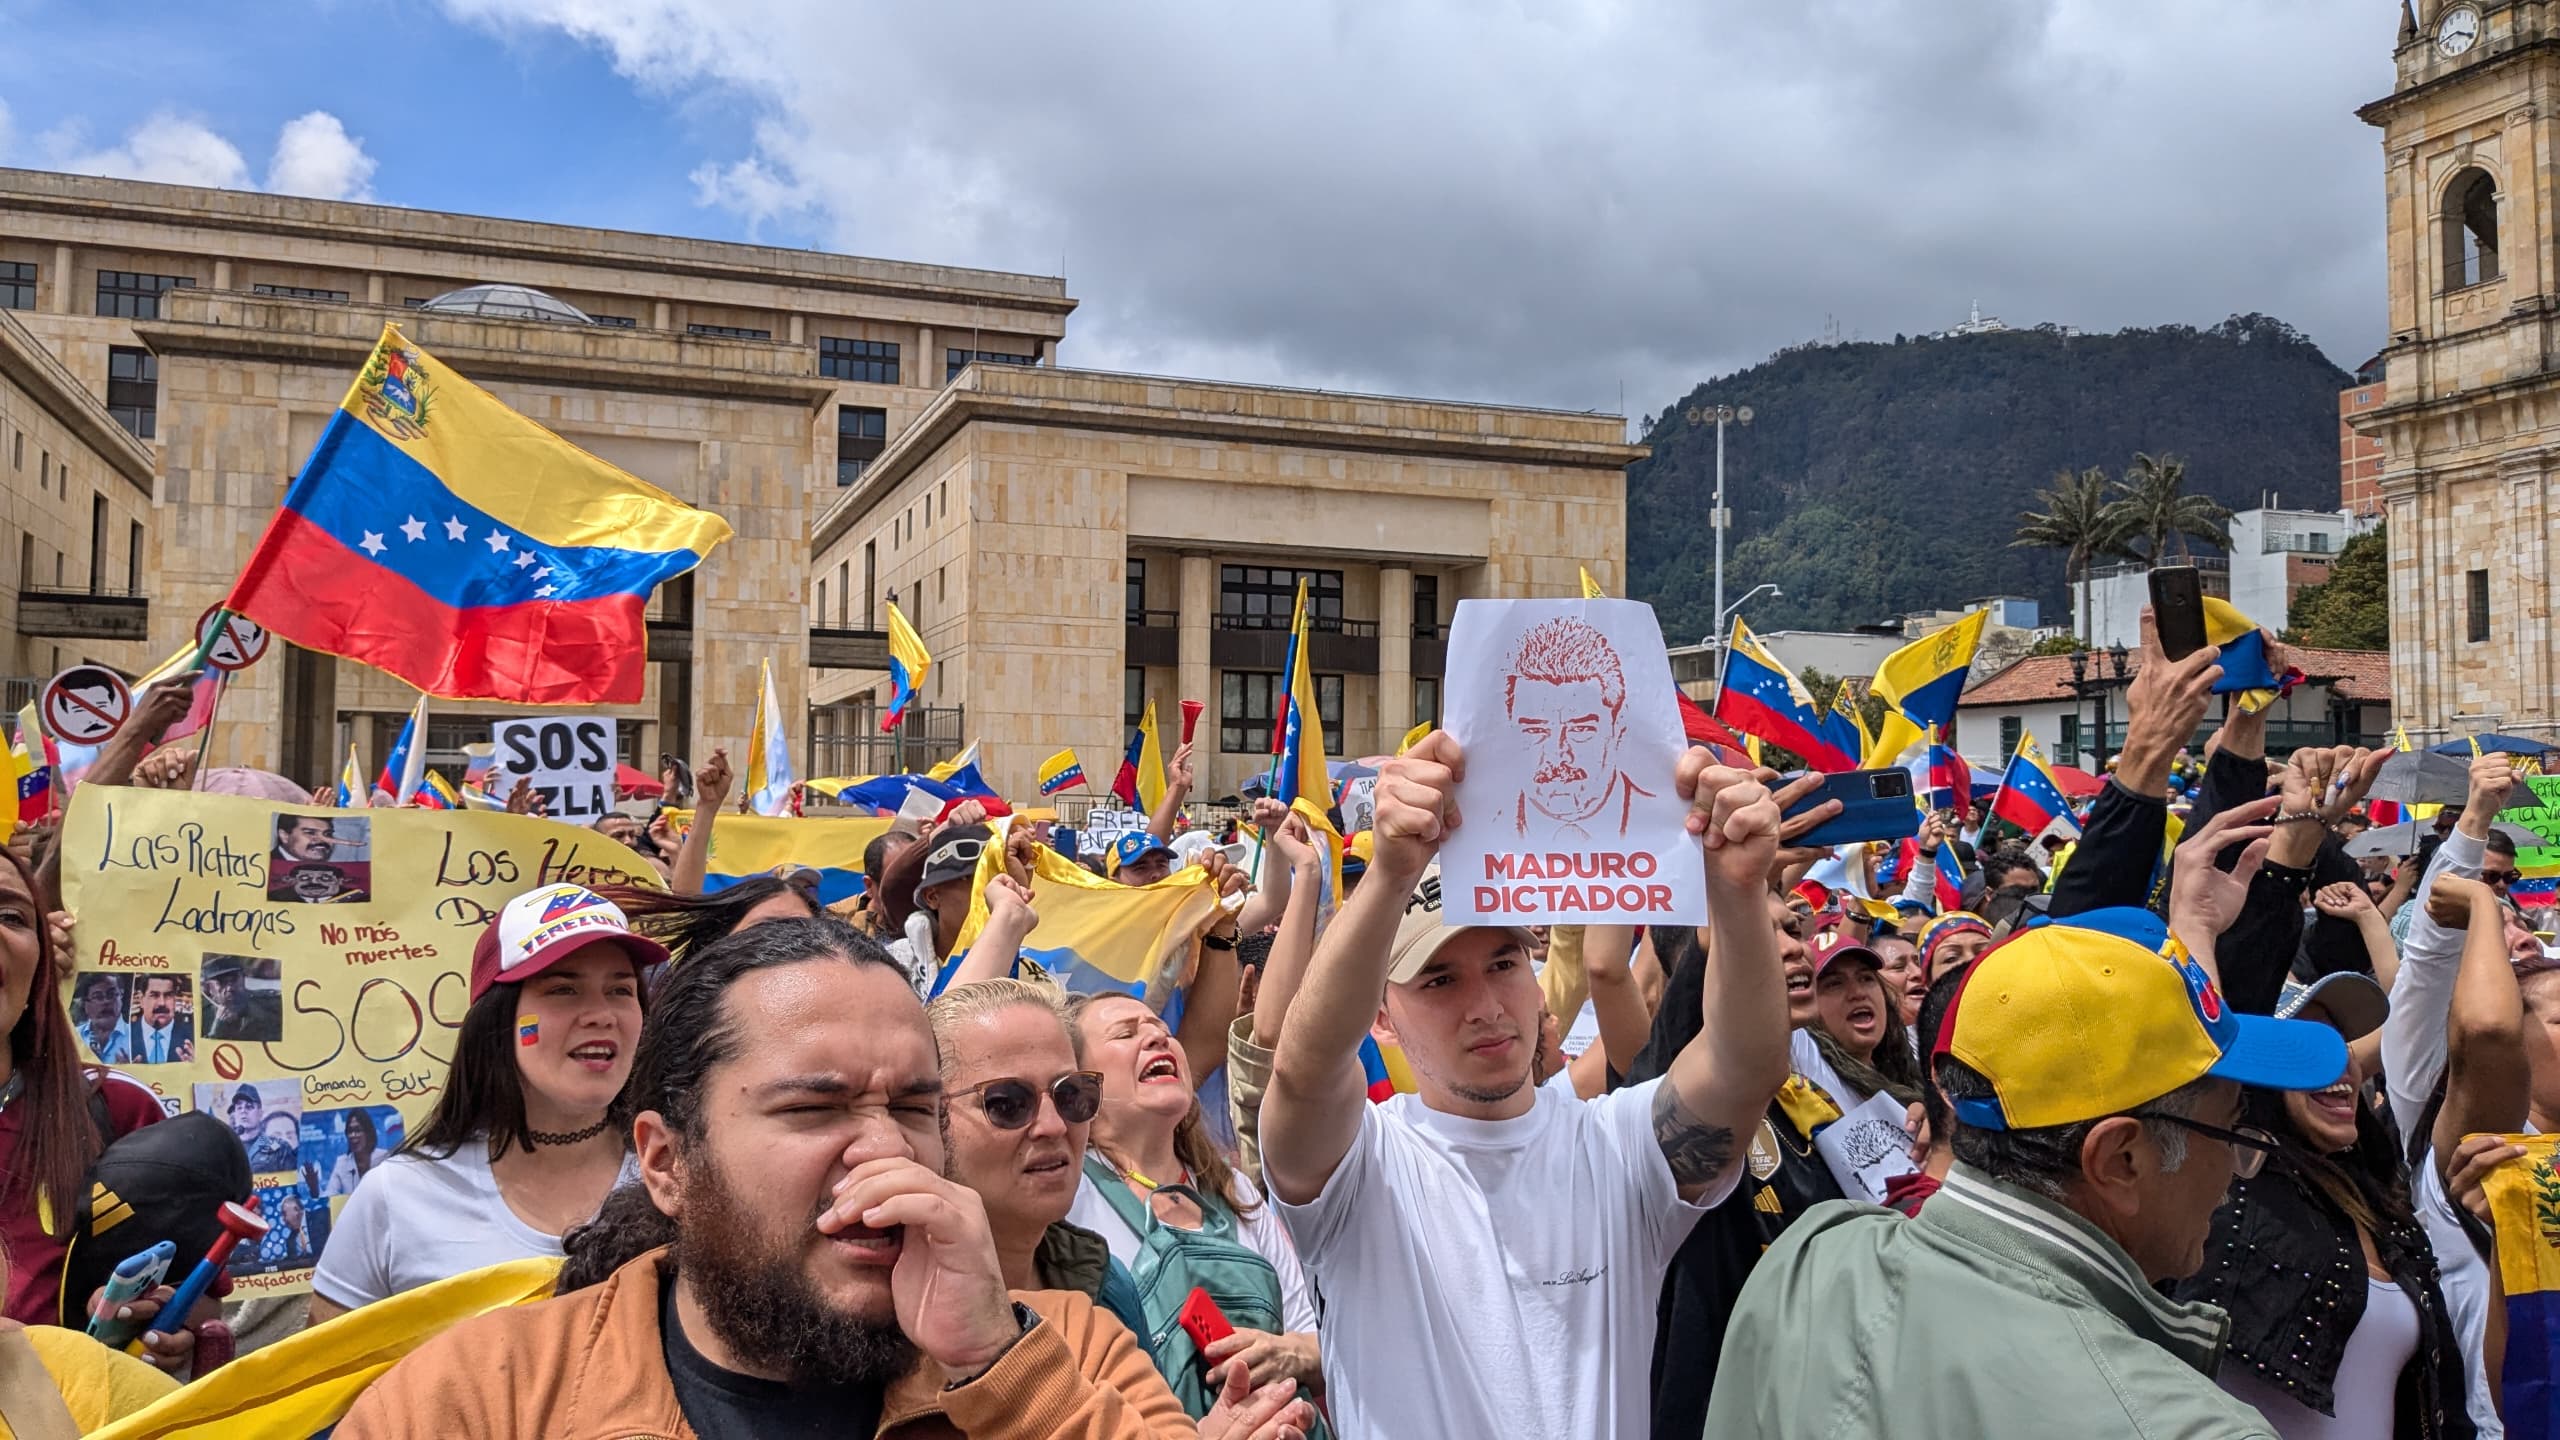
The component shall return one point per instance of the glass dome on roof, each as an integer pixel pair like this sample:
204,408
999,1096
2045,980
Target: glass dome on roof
507,302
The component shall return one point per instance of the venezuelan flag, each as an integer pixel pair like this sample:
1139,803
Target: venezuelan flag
2524,1210
1844,703
961,773
2536,890
1591,588
1921,683
2382,813
1949,781
2029,797
745,846
887,794
1060,771
405,768
353,793
1950,879
436,793
2247,670
909,662
1098,935
1140,783
208,691
32,753
1302,773
441,536
1760,697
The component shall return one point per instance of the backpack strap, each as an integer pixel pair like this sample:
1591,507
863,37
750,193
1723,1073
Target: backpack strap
30,1402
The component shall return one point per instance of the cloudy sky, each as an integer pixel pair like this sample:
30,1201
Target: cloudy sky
1553,203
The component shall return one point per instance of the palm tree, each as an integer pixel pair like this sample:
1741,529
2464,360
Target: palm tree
2155,509
2082,519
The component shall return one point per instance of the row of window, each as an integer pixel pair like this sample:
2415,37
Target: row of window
1256,597
1249,704
52,478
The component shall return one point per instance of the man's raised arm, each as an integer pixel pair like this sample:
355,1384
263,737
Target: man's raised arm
1312,1112
1721,1082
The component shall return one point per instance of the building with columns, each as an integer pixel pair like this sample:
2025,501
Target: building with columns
1071,544
2468,408
219,330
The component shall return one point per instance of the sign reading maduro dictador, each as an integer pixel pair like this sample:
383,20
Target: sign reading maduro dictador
297,971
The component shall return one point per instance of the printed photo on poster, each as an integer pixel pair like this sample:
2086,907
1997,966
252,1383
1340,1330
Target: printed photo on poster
101,1015
1571,730
243,997
265,1114
163,1028
297,1229
341,1147
321,860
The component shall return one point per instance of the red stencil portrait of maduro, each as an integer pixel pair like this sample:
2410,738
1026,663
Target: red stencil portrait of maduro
1566,697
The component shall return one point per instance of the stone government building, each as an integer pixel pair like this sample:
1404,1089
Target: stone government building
1068,542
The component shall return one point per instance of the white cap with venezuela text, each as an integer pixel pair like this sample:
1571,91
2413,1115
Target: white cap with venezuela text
546,924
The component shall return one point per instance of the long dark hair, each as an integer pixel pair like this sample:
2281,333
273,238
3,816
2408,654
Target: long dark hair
1893,1069
484,1090
687,924
691,1033
60,1139
2365,1181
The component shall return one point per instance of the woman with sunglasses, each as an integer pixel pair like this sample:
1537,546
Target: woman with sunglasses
1018,1114
1159,1192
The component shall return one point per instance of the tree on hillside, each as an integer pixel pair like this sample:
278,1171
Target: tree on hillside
2156,509
2055,645
2351,610
2082,519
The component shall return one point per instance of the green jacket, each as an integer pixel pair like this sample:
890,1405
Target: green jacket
1993,1312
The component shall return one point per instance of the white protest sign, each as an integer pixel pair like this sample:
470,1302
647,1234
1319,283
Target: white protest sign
1102,825
1867,1147
569,759
1359,804
1565,711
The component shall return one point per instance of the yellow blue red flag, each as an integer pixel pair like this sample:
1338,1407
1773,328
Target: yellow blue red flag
745,846
1921,683
1301,773
438,535
1099,935
2524,1210
908,663
2248,668
1060,771
1140,783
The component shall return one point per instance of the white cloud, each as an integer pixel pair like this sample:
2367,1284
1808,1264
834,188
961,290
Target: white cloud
170,149
316,156
1539,202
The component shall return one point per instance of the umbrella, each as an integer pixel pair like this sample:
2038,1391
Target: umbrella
636,784
2423,777
2502,744
2402,839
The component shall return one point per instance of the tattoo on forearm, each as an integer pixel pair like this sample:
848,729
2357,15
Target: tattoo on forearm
1699,1153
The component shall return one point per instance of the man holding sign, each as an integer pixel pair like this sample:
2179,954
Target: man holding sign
1491,1252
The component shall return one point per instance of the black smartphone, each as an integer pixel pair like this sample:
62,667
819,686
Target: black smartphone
1874,805
2177,609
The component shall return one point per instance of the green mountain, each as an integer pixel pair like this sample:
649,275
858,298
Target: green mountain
1881,478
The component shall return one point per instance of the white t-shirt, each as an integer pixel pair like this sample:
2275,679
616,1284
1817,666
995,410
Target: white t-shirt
2368,1380
1496,1277
2464,1278
413,1220
1261,1232
1804,1056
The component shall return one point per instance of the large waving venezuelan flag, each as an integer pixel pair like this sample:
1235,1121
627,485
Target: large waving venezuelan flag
2524,1209
443,537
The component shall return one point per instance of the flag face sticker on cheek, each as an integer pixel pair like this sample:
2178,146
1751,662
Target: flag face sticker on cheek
528,1030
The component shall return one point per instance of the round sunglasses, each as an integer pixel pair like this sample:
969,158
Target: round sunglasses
1012,1104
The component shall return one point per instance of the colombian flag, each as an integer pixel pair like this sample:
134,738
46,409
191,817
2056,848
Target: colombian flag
1921,683
439,535
1060,771
1761,697
2029,797
2246,670
2524,1209
908,662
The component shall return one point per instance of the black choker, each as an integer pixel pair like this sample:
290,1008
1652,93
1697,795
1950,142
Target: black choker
548,1137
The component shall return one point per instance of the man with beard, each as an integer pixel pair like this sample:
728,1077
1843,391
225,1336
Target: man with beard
821,1276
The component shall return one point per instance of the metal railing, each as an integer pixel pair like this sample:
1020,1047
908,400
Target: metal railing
847,739
1321,624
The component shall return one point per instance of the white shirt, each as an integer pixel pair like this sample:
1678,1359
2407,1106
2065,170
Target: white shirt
1261,1232
2368,1381
1804,1056
2464,1279
1496,1277
159,1045
415,1220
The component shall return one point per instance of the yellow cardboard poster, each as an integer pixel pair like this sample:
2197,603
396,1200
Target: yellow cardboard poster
295,970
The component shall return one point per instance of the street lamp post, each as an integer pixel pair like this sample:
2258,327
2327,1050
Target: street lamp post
1727,613
2094,673
1720,415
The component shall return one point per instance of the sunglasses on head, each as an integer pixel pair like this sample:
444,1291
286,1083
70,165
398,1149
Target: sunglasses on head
1012,1104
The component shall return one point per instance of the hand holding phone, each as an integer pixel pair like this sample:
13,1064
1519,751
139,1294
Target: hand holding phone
2177,610
1874,805
131,1280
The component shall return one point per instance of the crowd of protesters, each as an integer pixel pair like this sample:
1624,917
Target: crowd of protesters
2190,1129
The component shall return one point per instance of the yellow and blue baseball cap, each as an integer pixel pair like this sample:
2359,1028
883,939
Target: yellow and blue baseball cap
1133,847
2100,1014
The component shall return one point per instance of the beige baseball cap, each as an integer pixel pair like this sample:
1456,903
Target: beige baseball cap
1421,933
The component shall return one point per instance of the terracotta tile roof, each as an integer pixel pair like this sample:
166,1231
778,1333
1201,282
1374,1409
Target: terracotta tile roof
2355,674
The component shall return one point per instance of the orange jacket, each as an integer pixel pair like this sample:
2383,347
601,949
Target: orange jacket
590,1366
